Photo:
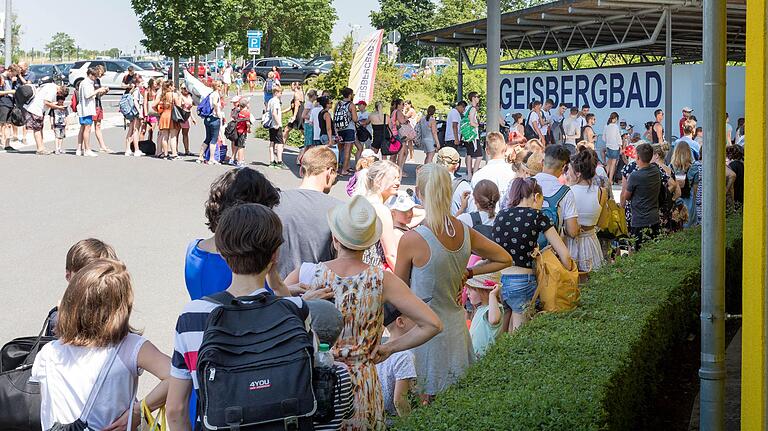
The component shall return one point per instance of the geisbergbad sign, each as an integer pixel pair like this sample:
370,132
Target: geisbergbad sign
633,92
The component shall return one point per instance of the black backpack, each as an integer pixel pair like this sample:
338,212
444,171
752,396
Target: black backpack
255,365
477,224
666,203
529,131
341,116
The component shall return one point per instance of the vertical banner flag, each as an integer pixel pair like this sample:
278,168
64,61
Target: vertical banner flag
362,74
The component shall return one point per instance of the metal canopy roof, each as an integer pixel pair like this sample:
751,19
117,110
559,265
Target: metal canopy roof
567,28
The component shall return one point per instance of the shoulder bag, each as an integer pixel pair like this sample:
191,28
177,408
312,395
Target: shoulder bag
557,286
392,144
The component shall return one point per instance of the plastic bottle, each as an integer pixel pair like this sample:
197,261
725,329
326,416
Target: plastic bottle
324,356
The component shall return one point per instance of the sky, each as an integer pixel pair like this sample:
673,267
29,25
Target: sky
113,24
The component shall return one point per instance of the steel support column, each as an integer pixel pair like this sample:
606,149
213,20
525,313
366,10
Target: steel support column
493,71
712,371
460,78
668,78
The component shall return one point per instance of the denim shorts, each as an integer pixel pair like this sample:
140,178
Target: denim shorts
86,121
308,132
347,135
324,139
613,154
517,290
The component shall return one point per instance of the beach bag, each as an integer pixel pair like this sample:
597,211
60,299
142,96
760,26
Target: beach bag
205,109
219,155
147,147
392,144
17,117
230,132
552,212
179,115
342,116
156,422
16,359
266,120
612,218
255,366
363,135
557,286
468,132
529,131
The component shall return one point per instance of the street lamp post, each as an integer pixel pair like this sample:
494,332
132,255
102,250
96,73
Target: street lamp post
8,34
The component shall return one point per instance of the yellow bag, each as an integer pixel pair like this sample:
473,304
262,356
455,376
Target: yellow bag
154,423
557,286
612,218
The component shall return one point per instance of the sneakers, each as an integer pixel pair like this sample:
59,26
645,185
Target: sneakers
138,153
58,151
281,165
91,153
9,148
78,152
128,153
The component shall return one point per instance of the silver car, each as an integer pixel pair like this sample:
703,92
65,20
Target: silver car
115,71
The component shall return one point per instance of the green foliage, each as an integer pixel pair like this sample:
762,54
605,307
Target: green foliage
299,28
452,12
180,28
338,77
61,44
295,139
390,84
594,368
409,17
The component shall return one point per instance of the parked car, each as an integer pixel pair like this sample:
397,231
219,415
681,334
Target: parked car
318,61
115,71
64,68
409,70
290,70
46,73
326,66
151,65
433,65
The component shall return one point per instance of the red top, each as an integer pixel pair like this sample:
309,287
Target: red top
242,127
682,121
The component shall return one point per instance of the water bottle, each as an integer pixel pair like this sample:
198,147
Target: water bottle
324,356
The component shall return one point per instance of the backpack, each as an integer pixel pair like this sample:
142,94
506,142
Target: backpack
268,85
456,181
230,132
128,107
266,119
581,136
23,95
685,191
529,131
556,285
255,365
468,132
205,109
477,224
342,116
666,203
551,211
73,102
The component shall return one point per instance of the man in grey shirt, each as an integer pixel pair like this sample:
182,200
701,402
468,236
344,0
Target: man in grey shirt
303,211
642,189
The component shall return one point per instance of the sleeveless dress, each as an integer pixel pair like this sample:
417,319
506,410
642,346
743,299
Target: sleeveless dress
360,299
442,360
164,108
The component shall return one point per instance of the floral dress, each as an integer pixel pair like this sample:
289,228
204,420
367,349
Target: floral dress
360,299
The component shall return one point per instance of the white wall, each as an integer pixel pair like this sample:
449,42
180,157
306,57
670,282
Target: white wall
633,92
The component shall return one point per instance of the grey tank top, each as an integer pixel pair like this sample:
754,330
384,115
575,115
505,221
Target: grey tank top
439,281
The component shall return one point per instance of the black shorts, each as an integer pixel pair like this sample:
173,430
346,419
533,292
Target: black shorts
5,114
474,149
347,135
276,135
451,144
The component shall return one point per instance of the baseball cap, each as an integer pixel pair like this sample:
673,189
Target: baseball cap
368,153
362,102
401,202
447,156
236,100
687,109
623,121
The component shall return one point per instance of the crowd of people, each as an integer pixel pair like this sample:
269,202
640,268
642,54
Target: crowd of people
421,281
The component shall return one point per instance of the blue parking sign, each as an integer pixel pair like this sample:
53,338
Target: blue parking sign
254,41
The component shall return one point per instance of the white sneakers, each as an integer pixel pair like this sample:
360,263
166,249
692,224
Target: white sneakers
91,153
78,152
138,153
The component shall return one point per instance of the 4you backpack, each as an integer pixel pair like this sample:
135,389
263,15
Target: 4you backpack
551,211
342,116
255,365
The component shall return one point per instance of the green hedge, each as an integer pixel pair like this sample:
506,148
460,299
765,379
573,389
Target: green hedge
597,367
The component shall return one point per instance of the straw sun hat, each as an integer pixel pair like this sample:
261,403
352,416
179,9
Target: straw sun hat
355,224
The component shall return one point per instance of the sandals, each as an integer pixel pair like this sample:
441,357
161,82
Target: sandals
44,152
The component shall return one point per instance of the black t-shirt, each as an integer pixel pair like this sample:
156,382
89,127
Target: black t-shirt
128,81
517,230
644,185
737,166
8,84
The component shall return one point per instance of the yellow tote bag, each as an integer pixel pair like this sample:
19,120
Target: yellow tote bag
156,422
557,286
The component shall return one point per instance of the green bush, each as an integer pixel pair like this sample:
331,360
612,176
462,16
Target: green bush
295,139
594,368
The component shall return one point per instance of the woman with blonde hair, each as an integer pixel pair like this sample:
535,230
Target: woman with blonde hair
535,146
212,125
686,171
382,182
169,129
432,259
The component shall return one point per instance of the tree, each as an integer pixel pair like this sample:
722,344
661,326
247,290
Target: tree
113,52
180,28
298,28
61,44
452,12
409,17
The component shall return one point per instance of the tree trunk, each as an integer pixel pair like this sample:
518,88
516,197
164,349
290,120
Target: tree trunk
196,60
267,44
175,72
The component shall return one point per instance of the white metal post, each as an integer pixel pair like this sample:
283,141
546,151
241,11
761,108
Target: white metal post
493,45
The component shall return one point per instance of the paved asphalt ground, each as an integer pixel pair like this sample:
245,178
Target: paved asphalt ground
148,209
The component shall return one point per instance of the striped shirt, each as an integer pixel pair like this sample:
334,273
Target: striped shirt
189,336
344,400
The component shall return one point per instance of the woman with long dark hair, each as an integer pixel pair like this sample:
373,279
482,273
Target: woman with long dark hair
428,127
